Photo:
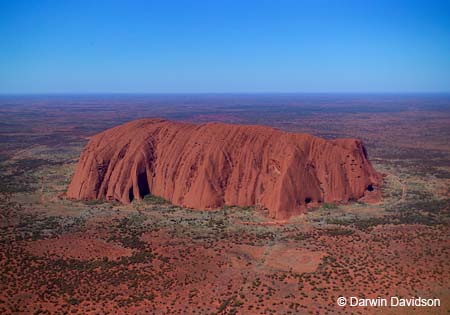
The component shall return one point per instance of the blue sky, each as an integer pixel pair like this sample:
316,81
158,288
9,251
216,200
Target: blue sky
224,46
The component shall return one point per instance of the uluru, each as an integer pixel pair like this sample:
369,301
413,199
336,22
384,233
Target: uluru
207,166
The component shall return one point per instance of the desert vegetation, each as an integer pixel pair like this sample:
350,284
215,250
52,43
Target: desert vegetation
59,256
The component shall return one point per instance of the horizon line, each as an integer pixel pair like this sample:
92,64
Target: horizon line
222,93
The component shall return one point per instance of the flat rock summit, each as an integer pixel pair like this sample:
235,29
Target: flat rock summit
211,165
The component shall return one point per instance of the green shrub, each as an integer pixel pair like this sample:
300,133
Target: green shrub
155,200
329,206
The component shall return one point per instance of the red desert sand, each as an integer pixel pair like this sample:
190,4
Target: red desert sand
211,165
78,246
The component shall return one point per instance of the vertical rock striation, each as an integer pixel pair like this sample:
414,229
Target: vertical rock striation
210,165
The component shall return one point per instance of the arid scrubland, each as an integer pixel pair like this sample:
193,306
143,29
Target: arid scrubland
150,257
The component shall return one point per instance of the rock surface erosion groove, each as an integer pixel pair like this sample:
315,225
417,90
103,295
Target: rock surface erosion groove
211,165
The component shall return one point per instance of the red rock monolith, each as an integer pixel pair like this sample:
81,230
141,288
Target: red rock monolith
211,165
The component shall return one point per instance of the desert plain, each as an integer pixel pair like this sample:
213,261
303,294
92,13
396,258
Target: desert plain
61,256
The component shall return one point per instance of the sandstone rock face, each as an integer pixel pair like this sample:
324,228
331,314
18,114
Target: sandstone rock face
211,165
